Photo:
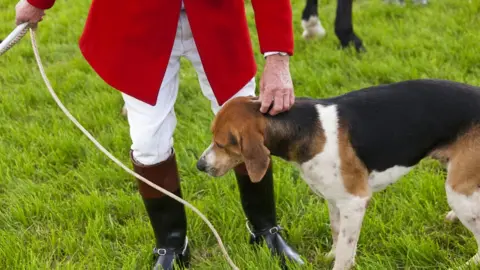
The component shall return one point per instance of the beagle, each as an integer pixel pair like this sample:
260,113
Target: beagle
350,146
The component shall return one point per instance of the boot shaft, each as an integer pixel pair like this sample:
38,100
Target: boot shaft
167,216
163,174
258,199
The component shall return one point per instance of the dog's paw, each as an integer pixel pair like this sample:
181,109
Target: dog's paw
124,111
451,216
313,28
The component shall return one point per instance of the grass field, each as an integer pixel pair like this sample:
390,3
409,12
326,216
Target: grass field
63,205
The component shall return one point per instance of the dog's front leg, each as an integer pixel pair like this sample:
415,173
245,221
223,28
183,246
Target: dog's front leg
352,211
334,215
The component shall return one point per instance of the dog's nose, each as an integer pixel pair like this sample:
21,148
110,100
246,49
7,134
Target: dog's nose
201,165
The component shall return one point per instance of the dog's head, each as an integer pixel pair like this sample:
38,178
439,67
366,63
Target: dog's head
238,136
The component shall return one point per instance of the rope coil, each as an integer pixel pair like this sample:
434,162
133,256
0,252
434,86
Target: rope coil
13,39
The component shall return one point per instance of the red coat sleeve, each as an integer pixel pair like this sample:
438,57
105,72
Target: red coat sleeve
43,4
274,23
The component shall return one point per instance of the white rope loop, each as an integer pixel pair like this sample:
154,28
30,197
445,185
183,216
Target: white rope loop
14,37
11,40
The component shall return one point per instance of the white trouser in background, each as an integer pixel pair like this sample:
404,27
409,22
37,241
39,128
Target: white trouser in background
152,127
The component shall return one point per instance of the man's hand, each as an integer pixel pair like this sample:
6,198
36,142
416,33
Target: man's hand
276,85
28,13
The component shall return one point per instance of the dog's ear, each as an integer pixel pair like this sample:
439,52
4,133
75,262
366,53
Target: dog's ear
256,156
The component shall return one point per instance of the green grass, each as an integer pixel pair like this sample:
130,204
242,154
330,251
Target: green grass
64,205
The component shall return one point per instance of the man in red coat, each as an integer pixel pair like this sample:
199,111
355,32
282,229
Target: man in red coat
135,46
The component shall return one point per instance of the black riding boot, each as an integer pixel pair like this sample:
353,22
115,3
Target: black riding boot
167,216
258,202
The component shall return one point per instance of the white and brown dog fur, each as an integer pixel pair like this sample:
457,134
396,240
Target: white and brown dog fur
350,146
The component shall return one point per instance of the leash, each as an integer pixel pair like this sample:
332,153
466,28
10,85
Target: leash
12,39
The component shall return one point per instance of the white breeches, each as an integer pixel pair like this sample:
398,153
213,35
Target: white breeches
152,127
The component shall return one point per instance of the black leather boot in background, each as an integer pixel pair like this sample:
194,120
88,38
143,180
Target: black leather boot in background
258,202
167,216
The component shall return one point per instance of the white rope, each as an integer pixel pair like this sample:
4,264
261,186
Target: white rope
13,38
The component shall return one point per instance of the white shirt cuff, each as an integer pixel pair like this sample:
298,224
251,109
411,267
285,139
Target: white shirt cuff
272,53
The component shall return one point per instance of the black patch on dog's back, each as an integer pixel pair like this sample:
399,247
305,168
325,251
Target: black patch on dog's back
400,123
291,134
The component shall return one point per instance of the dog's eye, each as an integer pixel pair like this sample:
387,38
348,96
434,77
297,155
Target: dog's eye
219,145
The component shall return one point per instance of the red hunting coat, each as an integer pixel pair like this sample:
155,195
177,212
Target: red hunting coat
128,43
